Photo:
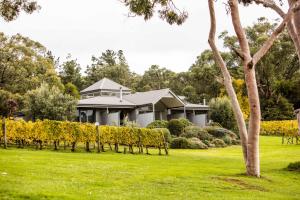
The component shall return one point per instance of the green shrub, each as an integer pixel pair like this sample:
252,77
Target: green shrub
235,142
294,166
222,113
185,122
219,132
218,143
166,133
158,124
227,139
214,124
195,131
176,127
195,143
180,143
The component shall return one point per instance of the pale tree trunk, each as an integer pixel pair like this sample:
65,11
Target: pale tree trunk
250,138
228,82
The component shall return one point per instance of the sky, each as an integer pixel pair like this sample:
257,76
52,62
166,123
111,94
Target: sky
84,28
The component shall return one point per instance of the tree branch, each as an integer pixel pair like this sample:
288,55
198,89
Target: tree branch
240,33
267,45
271,4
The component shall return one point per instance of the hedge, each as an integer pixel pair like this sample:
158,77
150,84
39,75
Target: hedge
48,131
279,128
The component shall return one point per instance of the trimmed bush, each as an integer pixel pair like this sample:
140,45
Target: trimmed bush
218,143
235,142
195,131
227,139
158,124
166,134
294,166
176,127
195,143
219,132
185,122
180,143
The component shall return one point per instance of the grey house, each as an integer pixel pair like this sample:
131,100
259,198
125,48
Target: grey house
110,103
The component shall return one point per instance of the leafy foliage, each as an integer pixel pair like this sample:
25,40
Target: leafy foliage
221,112
50,103
279,128
158,124
54,131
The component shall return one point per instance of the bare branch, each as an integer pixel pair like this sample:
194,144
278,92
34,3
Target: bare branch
271,4
267,45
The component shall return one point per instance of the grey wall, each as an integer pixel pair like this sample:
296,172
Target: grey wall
177,115
200,119
144,119
113,118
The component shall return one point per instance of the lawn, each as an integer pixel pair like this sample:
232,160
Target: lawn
185,174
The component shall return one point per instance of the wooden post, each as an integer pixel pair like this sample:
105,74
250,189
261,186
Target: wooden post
4,132
98,139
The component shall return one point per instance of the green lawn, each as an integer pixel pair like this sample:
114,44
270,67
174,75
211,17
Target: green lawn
185,174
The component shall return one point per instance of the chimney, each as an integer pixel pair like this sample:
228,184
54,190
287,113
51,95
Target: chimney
204,101
121,94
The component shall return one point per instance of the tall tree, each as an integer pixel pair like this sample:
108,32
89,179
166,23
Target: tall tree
250,138
70,73
156,78
112,65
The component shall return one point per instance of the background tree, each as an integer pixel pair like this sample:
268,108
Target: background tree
156,78
112,65
10,9
49,102
69,72
222,113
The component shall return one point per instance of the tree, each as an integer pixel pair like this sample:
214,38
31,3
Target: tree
250,138
221,112
49,102
273,75
70,73
10,9
112,65
156,78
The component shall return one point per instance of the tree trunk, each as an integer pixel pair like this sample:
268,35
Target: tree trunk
253,162
87,146
4,132
228,82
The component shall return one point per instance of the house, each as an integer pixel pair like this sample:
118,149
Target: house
110,103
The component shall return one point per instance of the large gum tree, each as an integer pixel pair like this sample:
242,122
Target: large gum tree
249,136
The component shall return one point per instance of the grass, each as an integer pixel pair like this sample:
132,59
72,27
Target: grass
185,174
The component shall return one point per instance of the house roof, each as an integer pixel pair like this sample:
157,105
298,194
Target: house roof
152,97
105,84
105,101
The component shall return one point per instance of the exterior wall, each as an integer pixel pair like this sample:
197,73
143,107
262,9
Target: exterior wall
200,119
177,115
113,118
144,119
132,116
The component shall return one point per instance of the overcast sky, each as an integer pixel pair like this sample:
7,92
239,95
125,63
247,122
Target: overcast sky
88,27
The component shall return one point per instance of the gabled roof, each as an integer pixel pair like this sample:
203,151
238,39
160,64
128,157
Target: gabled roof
104,101
152,97
105,84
